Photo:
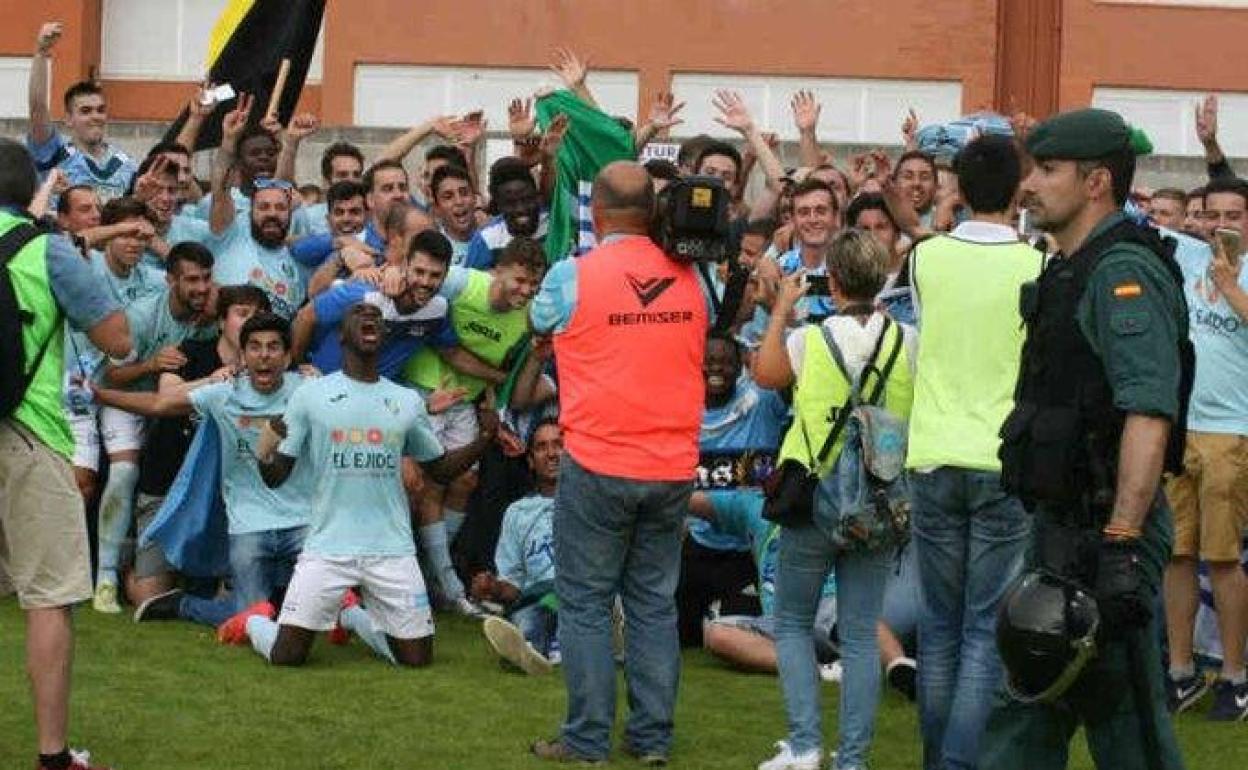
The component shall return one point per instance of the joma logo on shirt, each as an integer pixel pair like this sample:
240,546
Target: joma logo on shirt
648,289
489,333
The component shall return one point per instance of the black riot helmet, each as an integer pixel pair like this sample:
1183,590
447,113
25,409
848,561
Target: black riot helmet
1046,634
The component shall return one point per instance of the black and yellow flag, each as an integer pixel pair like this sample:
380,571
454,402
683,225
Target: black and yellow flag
248,44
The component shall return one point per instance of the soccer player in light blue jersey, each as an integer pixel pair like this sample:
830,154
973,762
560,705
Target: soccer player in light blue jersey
159,322
266,526
252,249
525,560
84,156
353,427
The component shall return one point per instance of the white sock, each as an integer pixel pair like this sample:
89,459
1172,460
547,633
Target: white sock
357,620
116,511
454,521
263,635
437,550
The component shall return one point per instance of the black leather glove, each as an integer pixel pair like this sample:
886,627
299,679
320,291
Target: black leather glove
1124,600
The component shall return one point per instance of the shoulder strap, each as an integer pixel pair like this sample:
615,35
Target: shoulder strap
11,244
882,375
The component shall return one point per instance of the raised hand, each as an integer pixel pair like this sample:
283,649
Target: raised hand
520,121
1021,124
1207,120
203,103
910,129
302,126
806,111
147,186
49,33
448,127
858,172
733,113
553,137
471,128
664,110
570,68
234,121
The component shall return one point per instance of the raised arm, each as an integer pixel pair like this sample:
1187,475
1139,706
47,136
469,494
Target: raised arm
37,88
531,389
806,109
552,139
445,126
198,109
573,70
221,215
301,127
772,366
660,122
1207,132
735,115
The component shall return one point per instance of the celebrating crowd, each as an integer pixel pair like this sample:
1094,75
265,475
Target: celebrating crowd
902,436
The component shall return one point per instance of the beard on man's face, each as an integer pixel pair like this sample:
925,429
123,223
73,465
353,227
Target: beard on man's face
269,232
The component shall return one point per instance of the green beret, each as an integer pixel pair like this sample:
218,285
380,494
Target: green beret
1084,135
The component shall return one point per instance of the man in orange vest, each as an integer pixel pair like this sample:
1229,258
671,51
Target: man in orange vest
629,328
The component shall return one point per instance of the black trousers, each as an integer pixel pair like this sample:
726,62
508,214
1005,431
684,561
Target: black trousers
707,574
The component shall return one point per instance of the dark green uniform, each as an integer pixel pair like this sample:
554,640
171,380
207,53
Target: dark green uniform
1133,318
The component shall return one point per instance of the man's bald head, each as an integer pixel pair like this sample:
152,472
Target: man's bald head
623,199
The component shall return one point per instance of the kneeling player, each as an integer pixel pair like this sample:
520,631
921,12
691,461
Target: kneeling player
353,427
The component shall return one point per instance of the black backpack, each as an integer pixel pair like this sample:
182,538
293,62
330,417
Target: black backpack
14,378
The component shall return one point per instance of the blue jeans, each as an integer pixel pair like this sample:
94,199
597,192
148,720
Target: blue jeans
805,557
970,538
538,624
616,536
903,598
260,562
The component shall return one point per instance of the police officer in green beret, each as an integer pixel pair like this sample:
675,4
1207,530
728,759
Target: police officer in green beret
1098,418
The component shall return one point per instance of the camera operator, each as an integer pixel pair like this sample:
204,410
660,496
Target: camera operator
629,326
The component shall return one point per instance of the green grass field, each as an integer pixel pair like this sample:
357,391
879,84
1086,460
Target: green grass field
168,696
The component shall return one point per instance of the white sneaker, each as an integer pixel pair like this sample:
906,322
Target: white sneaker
467,608
509,642
785,759
105,598
831,672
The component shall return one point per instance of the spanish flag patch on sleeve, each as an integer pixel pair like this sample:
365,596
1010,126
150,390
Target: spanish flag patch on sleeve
1128,290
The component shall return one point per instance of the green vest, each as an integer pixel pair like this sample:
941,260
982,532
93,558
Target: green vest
42,409
970,342
482,331
821,390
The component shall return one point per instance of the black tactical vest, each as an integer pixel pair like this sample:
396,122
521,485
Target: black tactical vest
1060,443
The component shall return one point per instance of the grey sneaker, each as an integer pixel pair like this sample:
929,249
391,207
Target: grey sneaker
160,607
557,751
646,758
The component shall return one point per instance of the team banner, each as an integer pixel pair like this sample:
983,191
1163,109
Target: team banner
254,45
593,140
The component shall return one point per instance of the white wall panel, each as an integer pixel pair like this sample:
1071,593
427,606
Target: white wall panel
1168,117
854,110
14,75
166,39
402,95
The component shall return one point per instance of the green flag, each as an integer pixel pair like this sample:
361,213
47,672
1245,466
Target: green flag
593,140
